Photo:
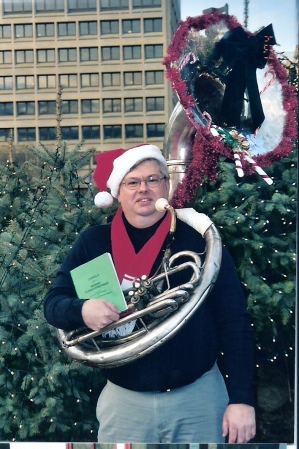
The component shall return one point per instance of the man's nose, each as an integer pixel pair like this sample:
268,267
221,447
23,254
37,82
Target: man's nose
143,186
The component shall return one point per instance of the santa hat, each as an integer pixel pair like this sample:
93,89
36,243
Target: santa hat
113,165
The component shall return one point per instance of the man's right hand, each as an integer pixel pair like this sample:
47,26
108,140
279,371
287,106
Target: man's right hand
98,313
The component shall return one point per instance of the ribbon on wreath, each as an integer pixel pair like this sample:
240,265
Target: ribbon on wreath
242,54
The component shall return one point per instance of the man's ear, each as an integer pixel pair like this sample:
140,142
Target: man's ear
117,197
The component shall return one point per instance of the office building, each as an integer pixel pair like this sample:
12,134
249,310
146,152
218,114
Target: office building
107,57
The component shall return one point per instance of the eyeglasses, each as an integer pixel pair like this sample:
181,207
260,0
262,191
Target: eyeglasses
151,181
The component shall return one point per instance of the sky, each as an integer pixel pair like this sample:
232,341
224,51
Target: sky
283,14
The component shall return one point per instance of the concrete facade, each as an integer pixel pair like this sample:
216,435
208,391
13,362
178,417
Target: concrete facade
107,57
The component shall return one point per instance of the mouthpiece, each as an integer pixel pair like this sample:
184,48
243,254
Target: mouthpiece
162,204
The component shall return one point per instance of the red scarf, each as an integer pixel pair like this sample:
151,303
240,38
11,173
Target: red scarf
126,261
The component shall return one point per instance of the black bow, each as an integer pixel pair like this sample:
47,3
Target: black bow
242,55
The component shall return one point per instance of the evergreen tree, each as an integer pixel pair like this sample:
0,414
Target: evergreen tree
44,395
257,223
45,204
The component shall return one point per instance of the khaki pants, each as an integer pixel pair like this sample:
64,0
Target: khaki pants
190,414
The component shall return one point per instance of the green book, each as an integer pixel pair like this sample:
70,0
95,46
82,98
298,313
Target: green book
98,279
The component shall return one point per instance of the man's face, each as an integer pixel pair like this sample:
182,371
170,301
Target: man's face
139,205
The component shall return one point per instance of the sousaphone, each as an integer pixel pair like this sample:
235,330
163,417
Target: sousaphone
209,61
160,315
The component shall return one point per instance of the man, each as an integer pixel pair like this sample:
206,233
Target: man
176,393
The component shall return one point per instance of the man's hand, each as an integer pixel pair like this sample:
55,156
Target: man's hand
98,313
239,423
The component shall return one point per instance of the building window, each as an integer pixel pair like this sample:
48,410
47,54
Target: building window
25,82
25,108
47,133
5,134
24,56
46,81
152,25
44,29
132,78
89,80
89,54
110,53
133,104
154,77
154,104
67,54
26,134
13,7
69,107
69,80
88,28
6,108
90,132
134,131
23,30
82,5
69,132
153,51
155,130
111,105
49,6
6,57
66,29
45,55
146,3
110,5
5,82
5,31
90,106
111,79
131,26
132,51
109,27
47,107
112,132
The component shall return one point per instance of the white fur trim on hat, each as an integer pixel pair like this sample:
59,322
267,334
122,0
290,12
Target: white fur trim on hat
123,164
103,199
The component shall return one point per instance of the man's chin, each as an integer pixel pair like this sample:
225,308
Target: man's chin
145,211
145,206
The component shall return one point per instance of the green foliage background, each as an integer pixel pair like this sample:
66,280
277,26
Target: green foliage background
257,223
45,204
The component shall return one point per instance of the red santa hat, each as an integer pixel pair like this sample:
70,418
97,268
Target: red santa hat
113,165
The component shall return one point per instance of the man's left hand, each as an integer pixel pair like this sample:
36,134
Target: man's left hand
239,423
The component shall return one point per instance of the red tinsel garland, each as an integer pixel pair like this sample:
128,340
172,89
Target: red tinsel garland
289,101
206,148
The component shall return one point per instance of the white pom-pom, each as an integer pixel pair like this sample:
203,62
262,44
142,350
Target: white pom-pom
161,204
103,199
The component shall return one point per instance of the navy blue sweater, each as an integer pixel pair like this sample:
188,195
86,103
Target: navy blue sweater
221,323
